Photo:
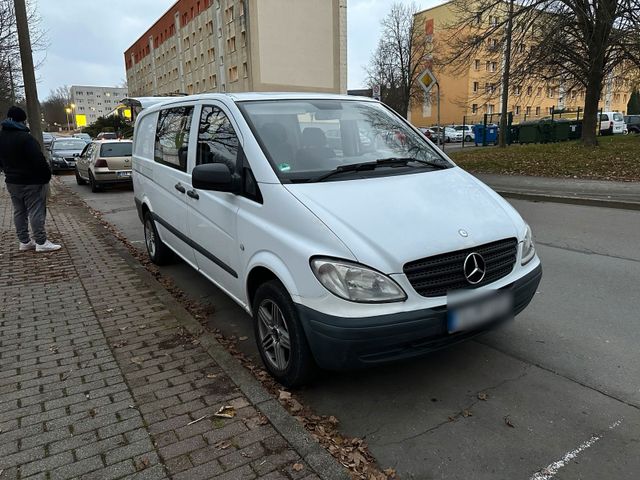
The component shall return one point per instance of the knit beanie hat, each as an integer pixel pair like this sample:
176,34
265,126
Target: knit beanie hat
17,114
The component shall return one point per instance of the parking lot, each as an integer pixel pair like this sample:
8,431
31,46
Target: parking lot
555,394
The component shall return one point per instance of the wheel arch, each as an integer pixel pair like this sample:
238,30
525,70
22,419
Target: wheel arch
263,268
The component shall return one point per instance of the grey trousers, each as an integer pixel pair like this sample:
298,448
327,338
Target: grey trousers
29,206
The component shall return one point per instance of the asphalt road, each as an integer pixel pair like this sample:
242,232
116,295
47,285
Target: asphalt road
554,394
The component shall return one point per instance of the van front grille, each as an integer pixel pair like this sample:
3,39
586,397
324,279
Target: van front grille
435,276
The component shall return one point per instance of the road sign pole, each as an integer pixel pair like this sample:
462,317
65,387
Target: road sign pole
438,119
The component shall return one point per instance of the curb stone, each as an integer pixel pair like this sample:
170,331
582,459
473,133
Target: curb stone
323,464
586,201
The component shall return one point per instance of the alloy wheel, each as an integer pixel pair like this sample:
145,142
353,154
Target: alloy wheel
150,237
274,335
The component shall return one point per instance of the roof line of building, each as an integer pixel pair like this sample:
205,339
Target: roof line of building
97,86
431,8
173,5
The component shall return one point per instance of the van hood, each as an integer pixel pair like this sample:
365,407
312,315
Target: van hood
389,221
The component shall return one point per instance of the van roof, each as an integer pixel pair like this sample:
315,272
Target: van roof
147,102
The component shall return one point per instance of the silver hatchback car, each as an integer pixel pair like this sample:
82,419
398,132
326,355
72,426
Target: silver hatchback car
104,162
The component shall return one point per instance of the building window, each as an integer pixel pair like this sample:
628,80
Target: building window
478,18
475,86
529,90
537,110
474,108
245,70
243,38
539,91
229,14
231,44
528,111
517,110
233,74
550,92
493,21
516,90
490,108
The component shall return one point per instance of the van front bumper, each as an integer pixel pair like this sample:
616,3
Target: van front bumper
346,343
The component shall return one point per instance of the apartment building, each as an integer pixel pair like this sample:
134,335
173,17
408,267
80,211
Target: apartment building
91,102
476,89
242,45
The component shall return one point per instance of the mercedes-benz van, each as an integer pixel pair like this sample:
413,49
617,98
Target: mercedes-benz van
346,234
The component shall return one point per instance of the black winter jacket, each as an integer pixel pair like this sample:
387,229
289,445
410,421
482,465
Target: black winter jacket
21,157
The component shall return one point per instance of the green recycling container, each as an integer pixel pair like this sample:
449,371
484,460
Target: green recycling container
561,129
575,129
529,132
546,131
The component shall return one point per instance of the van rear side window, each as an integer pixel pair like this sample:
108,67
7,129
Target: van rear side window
172,137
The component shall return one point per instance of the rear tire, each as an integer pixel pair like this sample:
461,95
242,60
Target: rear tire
95,186
467,138
79,179
280,337
158,251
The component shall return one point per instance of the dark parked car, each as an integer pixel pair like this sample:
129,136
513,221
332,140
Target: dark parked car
63,153
633,123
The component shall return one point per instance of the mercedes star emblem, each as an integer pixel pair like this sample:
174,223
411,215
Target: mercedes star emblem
474,268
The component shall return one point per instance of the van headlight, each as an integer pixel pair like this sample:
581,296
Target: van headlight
356,283
528,249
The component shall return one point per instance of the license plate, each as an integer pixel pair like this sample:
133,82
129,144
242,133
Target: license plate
123,174
464,315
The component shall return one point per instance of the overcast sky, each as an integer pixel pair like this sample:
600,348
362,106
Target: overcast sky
87,38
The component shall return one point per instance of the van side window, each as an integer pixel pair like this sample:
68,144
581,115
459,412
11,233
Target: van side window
172,137
145,137
217,140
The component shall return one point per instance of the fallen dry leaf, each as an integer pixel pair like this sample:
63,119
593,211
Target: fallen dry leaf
482,396
284,395
212,375
242,339
508,422
223,445
226,411
136,360
297,467
467,413
142,463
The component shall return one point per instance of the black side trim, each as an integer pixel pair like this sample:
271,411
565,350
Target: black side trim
195,245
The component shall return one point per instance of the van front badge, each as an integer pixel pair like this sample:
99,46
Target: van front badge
463,233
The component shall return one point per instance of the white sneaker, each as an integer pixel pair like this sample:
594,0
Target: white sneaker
47,247
27,246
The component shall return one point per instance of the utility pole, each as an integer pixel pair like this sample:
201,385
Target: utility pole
28,73
13,87
506,71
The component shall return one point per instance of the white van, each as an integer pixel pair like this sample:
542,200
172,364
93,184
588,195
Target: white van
612,123
371,248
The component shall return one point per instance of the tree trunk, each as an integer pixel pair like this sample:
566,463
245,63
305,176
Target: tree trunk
591,121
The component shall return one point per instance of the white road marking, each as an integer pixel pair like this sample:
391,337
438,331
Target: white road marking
550,470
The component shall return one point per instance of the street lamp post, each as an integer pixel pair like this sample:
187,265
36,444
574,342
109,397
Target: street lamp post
68,111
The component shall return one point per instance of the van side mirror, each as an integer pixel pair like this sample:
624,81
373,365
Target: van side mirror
216,177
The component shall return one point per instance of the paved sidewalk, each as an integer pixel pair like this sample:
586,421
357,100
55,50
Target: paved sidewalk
100,379
566,190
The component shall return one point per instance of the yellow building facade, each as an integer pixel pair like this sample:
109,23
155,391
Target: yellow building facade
469,92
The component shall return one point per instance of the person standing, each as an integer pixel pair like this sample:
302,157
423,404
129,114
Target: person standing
27,175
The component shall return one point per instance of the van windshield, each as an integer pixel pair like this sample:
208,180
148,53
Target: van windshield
304,139
617,117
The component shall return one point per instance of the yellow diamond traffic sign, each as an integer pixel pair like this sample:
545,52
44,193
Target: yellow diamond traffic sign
427,80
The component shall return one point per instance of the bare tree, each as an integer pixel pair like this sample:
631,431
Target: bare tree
399,59
577,44
11,84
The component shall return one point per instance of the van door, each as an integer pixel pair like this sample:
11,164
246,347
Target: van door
213,215
167,191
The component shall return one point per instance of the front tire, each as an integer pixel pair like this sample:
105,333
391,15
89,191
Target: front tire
158,251
79,179
280,337
467,138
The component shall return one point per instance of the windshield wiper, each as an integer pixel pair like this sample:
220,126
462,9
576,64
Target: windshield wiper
381,162
397,160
